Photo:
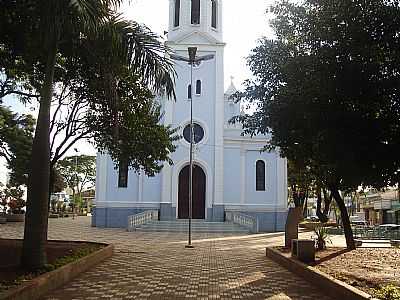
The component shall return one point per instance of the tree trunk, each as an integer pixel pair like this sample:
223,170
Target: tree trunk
321,216
36,221
292,225
305,206
348,232
327,203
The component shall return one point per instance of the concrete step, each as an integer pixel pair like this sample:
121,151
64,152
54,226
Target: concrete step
197,226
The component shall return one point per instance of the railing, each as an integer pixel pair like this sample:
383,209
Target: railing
369,233
243,220
141,219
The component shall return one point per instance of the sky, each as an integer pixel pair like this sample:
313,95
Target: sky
243,25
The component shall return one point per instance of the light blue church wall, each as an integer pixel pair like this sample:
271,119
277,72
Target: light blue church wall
232,177
269,196
151,189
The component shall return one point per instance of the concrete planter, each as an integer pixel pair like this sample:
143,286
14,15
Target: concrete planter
3,220
41,285
325,282
16,218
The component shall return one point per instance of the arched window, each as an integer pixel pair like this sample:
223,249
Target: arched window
214,13
260,175
123,174
195,11
198,87
177,12
189,94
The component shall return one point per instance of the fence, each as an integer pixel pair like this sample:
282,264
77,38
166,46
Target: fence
369,233
141,219
243,220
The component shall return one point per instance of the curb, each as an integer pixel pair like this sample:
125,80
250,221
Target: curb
41,285
328,284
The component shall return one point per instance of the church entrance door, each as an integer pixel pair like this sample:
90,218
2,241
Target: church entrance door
199,193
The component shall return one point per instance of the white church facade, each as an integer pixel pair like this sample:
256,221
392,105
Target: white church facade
231,174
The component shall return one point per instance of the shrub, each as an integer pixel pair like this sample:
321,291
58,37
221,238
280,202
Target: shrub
15,201
322,237
388,292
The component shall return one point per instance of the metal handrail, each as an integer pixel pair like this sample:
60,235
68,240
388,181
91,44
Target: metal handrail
140,219
243,220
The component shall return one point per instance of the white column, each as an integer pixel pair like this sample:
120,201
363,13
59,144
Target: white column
242,174
166,181
281,173
140,188
219,129
101,178
166,177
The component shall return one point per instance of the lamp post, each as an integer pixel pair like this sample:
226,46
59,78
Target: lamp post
191,61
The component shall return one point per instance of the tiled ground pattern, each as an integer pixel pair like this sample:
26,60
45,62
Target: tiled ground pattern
157,266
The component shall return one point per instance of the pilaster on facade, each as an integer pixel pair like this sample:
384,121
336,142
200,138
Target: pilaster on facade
140,187
242,174
101,178
282,192
166,183
219,128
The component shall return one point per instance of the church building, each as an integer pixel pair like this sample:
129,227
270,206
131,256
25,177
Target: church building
231,173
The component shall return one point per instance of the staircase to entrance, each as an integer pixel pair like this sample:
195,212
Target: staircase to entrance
197,226
149,221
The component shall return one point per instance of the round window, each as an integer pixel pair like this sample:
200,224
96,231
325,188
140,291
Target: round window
198,133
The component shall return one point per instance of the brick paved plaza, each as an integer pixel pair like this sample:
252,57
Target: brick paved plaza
157,266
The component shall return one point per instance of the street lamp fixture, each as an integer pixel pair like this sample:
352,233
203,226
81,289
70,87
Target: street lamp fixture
191,61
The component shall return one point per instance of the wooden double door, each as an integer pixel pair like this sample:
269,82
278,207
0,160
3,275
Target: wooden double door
199,193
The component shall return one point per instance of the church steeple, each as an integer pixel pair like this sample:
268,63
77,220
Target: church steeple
202,17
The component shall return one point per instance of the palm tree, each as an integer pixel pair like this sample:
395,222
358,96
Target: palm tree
59,23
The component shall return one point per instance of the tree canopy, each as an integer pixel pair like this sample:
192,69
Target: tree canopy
34,37
16,135
79,172
327,87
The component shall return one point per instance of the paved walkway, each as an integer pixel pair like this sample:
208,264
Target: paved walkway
157,266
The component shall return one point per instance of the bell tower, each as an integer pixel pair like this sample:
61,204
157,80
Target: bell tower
195,16
197,23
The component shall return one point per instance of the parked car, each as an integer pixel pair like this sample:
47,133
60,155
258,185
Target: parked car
312,219
390,227
359,223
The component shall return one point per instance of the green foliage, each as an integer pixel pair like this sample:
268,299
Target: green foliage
59,183
322,237
327,89
78,171
39,34
16,136
74,256
3,201
135,135
62,261
12,197
388,292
